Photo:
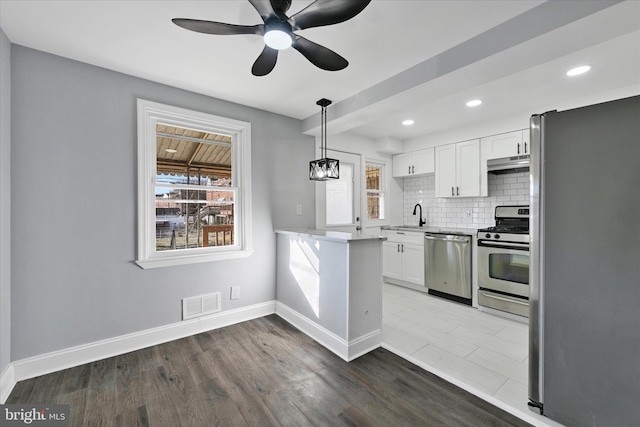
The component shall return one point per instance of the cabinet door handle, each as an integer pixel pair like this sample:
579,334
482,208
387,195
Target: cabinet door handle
518,148
525,148
402,247
413,169
452,193
409,170
398,247
458,191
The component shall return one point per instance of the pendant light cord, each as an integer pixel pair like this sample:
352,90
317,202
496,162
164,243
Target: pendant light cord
324,103
323,132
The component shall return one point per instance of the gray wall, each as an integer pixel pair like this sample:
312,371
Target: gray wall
74,206
5,202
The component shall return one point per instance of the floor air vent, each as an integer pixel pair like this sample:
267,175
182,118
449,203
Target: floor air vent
201,305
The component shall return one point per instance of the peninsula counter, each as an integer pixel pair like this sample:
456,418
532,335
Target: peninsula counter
329,285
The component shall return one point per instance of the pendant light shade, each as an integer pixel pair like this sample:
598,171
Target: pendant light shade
325,168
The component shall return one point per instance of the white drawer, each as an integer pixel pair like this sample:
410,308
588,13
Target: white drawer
404,236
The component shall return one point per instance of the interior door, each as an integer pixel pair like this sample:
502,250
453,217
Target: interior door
338,200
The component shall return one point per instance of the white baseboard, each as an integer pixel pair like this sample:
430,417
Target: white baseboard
339,346
7,382
79,355
364,344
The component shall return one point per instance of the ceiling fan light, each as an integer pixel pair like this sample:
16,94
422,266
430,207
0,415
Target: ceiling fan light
277,39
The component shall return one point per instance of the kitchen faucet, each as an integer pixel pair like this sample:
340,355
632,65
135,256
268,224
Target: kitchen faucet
421,222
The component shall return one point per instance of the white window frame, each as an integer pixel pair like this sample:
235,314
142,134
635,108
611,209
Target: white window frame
384,168
149,115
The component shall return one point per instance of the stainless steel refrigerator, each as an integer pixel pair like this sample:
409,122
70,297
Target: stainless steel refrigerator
584,330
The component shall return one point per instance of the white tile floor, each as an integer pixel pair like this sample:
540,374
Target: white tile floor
482,353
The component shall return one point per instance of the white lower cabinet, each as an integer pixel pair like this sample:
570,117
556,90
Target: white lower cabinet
391,260
413,262
403,256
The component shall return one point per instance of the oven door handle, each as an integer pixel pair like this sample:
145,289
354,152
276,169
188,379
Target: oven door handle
504,245
512,300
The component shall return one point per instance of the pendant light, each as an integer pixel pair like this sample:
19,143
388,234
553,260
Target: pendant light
325,168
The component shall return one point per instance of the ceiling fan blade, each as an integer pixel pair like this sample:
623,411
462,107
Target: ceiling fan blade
327,12
281,5
270,8
319,56
265,62
219,28
263,7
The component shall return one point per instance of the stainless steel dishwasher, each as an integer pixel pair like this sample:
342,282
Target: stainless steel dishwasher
447,266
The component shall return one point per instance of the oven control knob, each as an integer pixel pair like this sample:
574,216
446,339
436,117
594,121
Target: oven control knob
488,236
496,236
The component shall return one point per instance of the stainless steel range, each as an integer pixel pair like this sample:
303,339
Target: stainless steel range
503,261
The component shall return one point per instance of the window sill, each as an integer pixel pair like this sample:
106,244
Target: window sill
192,259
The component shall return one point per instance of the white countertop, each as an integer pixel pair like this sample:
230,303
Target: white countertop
429,229
335,236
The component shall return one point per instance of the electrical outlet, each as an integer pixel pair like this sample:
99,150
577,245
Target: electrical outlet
235,292
298,209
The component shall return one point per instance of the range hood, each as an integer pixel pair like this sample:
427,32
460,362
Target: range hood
508,164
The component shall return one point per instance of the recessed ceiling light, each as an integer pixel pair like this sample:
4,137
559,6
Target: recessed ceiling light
578,70
408,122
171,150
474,102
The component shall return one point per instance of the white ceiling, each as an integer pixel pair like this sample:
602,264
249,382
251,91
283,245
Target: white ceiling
408,59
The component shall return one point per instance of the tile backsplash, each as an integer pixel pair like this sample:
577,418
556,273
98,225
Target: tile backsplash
463,212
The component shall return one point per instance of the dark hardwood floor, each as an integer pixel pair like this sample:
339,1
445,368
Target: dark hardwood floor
262,372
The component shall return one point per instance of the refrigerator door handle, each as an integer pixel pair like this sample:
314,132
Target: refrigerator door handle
536,285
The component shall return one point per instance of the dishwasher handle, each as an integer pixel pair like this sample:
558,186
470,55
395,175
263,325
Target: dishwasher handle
447,238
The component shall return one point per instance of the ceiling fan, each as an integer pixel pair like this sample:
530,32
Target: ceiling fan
278,30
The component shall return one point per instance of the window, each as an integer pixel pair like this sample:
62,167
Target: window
193,186
374,176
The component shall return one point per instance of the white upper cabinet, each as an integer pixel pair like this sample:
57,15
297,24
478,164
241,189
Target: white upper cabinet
505,145
446,170
468,168
458,169
414,163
